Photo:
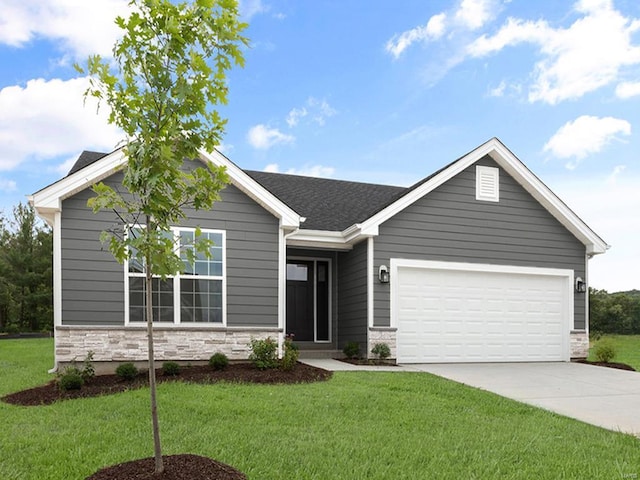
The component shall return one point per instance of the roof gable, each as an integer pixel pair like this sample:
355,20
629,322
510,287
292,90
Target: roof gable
514,167
93,167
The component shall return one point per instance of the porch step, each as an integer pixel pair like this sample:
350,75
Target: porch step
305,354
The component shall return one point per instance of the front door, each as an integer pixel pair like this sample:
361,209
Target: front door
308,300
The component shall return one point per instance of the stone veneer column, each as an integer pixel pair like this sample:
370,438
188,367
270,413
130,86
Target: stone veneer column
382,335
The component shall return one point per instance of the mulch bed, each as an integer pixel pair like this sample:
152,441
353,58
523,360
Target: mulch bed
107,384
176,467
619,366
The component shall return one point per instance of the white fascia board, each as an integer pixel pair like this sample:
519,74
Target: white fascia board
512,165
49,199
318,239
554,205
289,219
419,192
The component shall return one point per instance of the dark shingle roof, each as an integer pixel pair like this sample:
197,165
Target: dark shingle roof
327,204
85,159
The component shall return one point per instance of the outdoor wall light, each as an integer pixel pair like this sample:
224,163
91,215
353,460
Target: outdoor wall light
581,285
383,274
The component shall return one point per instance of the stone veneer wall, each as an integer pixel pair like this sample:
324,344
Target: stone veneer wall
579,341
382,335
129,344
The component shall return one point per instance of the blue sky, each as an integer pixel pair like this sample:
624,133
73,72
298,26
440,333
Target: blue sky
375,91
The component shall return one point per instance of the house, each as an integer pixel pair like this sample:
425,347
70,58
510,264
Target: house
479,262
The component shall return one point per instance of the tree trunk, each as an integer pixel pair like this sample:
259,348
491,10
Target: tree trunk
157,448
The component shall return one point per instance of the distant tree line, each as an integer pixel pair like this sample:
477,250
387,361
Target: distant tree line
26,272
614,312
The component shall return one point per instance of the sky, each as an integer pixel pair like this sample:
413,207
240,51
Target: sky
373,91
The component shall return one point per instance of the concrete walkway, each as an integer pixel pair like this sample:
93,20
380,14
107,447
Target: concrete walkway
605,397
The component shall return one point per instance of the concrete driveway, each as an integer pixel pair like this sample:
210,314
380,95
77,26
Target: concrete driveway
600,396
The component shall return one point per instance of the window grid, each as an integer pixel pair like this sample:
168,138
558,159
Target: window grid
198,290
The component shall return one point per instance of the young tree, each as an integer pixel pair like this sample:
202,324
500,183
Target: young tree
171,68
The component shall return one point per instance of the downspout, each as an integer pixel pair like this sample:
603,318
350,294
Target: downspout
283,286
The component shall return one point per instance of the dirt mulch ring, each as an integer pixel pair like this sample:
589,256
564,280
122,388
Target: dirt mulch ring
176,467
619,366
108,384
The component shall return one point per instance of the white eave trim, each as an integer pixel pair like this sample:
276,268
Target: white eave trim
512,165
49,199
289,219
318,239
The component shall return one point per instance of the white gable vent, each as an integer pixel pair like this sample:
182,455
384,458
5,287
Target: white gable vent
487,184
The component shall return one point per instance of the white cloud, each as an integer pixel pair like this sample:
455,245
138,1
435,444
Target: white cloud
295,115
474,13
469,15
47,119
575,60
8,185
499,90
584,136
81,28
626,90
613,178
433,30
250,8
307,170
317,110
262,137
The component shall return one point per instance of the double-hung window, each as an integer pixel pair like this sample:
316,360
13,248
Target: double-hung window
194,296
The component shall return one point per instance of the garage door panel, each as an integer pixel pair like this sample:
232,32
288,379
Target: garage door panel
473,316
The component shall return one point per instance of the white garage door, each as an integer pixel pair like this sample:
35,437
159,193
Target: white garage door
452,312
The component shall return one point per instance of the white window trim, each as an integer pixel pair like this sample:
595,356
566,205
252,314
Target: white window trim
176,285
493,174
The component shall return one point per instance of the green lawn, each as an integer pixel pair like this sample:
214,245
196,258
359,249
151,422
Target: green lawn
627,349
359,425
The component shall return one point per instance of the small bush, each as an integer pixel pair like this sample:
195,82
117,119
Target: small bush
605,351
88,372
218,361
381,350
170,369
263,353
127,371
70,379
290,355
351,350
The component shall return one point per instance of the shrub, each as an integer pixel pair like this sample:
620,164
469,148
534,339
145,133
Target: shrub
88,372
263,353
605,351
290,355
170,369
70,379
381,350
351,350
127,371
218,361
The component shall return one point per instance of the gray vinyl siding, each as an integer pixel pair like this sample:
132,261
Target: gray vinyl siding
352,297
93,282
449,224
